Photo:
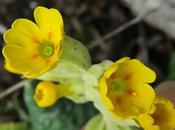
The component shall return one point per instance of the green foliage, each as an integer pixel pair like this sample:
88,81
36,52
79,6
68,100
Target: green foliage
64,115
14,126
171,73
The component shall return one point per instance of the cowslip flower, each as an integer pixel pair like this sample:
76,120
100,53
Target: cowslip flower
33,49
47,93
124,88
163,118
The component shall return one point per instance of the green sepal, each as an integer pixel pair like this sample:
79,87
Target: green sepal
86,80
98,69
76,53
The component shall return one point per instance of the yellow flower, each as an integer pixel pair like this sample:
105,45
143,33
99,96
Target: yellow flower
33,49
47,93
124,88
164,115
163,118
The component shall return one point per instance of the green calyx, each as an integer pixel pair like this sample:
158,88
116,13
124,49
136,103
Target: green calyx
46,49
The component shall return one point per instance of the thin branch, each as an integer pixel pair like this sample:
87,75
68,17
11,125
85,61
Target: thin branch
119,29
13,88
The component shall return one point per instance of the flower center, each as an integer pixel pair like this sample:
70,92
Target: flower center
47,49
118,86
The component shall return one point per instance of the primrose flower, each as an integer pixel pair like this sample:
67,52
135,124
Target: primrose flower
47,93
163,118
33,49
124,88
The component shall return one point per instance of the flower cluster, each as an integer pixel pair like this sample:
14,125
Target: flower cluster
120,90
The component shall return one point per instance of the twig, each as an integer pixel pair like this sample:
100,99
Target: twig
13,88
119,30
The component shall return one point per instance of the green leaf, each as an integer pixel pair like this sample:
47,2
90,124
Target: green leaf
64,115
14,126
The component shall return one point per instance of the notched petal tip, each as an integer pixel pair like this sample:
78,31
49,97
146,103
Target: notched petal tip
19,21
52,13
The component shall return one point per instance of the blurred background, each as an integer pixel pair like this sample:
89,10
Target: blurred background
111,29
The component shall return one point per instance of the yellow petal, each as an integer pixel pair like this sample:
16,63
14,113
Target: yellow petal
24,33
14,55
20,61
103,91
103,86
107,102
122,60
137,100
50,23
146,122
135,72
114,67
110,70
11,69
